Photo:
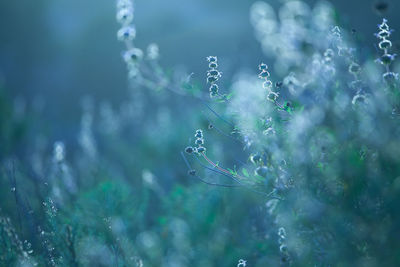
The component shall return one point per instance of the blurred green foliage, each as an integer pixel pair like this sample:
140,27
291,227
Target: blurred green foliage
316,172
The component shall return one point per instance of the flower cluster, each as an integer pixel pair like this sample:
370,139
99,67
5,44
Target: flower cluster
328,59
267,84
127,34
337,41
213,75
353,67
385,44
199,142
285,257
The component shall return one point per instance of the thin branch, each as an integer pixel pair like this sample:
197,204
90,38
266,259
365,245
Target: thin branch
201,179
219,116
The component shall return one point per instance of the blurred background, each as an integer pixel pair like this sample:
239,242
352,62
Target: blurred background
52,53
85,148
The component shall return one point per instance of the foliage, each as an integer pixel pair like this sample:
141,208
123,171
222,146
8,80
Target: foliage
298,166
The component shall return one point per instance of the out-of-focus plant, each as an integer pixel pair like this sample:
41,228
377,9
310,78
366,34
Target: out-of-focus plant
324,148
313,136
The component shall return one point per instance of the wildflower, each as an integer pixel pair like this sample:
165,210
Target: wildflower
212,59
328,55
214,88
267,84
354,68
386,59
385,44
213,65
214,72
212,79
125,16
390,76
263,74
127,33
59,152
336,32
153,51
201,149
263,67
255,158
359,98
213,94
199,134
282,232
272,96
124,4
241,263
383,34
199,141
213,75
384,25
133,55
189,150
283,248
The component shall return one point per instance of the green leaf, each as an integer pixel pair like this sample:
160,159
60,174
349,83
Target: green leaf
320,166
245,173
229,96
232,171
